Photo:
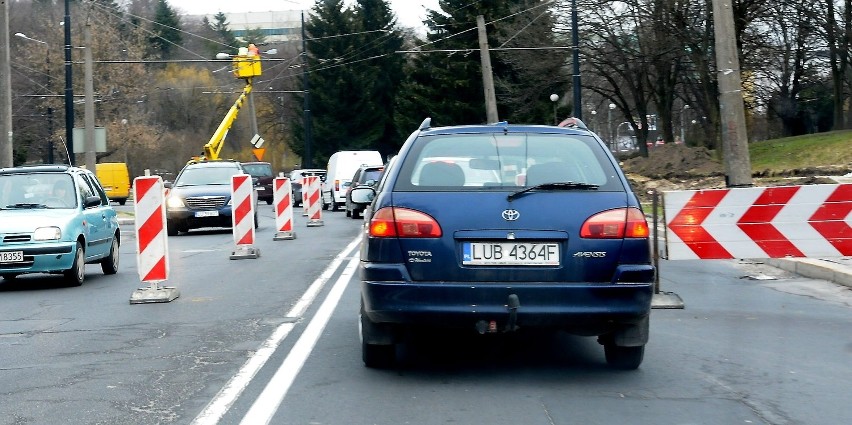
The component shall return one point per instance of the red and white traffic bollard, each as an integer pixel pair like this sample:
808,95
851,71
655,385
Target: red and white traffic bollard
152,247
304,181
242,217
314,202
281,197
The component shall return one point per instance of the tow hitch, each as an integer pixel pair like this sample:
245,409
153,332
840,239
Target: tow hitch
513,303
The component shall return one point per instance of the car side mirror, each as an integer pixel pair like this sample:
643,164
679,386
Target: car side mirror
92,201
363,194
167,184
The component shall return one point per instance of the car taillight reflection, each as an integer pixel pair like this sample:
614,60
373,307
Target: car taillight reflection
403,223
616,224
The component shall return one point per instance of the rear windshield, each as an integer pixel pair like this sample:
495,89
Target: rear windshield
472,162
259,170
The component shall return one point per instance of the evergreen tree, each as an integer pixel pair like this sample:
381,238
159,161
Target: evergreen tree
329,47
380,76
221,27
447,85
166,31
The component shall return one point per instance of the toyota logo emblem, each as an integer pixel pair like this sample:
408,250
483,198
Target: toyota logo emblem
511,215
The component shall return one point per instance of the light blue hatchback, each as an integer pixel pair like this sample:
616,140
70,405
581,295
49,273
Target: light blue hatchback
55,219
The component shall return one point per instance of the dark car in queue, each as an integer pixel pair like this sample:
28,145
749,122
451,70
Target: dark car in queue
201,196
365,175
503,228
296,177
55,219
262,171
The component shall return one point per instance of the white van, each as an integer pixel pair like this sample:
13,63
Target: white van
341,167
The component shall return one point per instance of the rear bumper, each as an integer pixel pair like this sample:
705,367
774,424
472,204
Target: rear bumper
581,308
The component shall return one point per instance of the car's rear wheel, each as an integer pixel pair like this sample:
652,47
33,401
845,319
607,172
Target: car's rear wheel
355,213
109,265
627,358
75,275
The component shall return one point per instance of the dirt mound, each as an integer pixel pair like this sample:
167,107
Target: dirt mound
675,162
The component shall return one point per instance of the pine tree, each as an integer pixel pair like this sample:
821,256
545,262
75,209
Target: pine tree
380,75
447,85
329,47
221,26
166,31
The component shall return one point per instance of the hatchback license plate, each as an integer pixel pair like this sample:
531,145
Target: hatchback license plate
12,257
207,213
510,254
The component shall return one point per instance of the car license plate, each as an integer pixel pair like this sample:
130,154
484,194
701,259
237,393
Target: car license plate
510,254
12,257
261,188
207,213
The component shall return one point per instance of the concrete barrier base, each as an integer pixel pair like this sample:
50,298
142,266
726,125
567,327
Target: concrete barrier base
668,300
154,294
282,236
243,252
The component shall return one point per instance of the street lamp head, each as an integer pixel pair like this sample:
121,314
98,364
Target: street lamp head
611,106
222,56
554,97
594,112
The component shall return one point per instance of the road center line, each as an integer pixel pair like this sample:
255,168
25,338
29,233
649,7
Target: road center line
267,403
225,398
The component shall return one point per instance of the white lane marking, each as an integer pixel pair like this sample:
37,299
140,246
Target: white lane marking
225,398
267,403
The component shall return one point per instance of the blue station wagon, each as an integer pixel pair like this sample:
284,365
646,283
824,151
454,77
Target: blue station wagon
496,228
55,219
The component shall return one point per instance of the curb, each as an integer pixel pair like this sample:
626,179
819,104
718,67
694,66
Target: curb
816,269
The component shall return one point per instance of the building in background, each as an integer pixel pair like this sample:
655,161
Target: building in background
277,26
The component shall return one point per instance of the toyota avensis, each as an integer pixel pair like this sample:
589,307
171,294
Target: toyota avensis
494,228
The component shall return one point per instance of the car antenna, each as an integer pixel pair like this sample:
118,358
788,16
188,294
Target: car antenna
67,154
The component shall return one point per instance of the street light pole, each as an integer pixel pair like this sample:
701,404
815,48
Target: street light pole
609,126
69,91
682,132
553,98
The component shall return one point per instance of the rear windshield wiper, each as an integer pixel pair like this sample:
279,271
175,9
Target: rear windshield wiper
553,186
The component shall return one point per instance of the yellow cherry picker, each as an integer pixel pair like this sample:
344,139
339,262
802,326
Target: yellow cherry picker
246,66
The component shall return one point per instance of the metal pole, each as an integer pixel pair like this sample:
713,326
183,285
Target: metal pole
69,92
49,109
89,145
6,151
578,110
307,162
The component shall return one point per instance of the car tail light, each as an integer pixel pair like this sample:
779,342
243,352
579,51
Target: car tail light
337,185
403,223
616,224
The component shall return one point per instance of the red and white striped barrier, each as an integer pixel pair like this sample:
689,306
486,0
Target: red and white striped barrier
769,222
304,182
281,197
152,247
314,201
242,216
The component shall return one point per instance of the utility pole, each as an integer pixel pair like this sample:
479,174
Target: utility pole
91,157
5,89
734,136
487,77
307,162
69,91
575,34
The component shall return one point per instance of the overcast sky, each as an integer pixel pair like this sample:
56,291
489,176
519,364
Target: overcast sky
409,13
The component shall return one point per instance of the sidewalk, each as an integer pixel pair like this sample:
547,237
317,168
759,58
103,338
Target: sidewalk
837,270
